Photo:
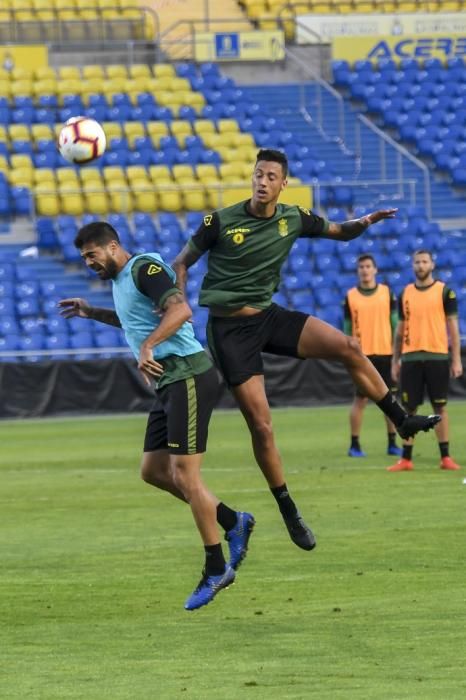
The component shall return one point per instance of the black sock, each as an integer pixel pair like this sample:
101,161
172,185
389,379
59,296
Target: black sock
444,448
284,500
391,439
407,452
355,442
392,409
226,517
214,560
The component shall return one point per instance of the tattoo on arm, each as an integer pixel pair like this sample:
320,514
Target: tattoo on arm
172,300
104,316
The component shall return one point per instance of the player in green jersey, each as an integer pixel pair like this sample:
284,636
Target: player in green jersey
186,391
247,245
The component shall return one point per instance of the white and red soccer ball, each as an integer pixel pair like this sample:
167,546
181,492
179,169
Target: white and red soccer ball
81,140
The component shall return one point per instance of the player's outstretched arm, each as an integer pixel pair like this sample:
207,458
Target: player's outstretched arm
185,258
353,228
80,307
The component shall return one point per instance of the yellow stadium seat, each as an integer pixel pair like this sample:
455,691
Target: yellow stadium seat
139,70
45,87
5,88
113,130
406,6
103,4
90,175
3,134
215,141
19,73
95,198
47,201
145,197
138,84
21,88
194,196
93,85
19,132
45,16
128,3
155,138
451,6
170,198
231,172
42,175
71,200
90,72
160,173
67,176
241,139
256,10
204,126
115,85
137,172
4,166
269,24
133,130
161,70
114,173
45,72
246,153
227,126
156,130
20,161
213,193
181,172
41,131
121,199
206,171
63,4
69,87
363,6
21,177
117,71
196,100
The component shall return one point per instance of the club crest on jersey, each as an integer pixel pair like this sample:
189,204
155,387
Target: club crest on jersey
283,227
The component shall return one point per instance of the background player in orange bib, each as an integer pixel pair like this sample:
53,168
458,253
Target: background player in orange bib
428,312
370,316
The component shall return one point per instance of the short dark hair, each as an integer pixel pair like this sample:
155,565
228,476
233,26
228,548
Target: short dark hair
98,232
367,256
275,157
423,251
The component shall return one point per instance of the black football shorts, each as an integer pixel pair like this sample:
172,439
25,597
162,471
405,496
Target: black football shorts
179,419
383,365
236,342
418,376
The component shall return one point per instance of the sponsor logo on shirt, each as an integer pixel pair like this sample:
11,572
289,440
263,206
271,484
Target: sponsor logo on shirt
305,211
237,234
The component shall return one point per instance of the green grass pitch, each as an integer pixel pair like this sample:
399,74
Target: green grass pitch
96,565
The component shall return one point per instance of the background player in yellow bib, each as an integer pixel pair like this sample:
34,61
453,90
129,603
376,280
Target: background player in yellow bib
370,316
428,312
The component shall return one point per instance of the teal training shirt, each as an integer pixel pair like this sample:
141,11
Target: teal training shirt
137,317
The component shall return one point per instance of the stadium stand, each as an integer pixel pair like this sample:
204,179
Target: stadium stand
176,133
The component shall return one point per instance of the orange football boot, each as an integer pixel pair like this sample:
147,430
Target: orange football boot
448,463
403,465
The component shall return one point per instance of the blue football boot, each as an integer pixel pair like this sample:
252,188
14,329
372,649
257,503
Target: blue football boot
238,538
394,450
208,587
356,452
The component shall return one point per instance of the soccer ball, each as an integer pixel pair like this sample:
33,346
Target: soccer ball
81,140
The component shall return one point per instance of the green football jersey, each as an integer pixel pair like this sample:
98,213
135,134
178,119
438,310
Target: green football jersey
246,252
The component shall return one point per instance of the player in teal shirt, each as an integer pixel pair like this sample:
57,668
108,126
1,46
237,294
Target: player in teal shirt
155,317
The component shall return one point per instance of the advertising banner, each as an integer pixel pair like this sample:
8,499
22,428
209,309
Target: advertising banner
396,47
23,57
327,27
240,46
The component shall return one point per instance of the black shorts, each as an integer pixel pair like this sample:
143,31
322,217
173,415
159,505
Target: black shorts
383,365
236,342
418,375
179,419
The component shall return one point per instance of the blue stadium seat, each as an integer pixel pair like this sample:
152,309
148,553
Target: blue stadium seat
81,339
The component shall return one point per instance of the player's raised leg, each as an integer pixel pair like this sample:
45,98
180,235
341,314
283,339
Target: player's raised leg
320,340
